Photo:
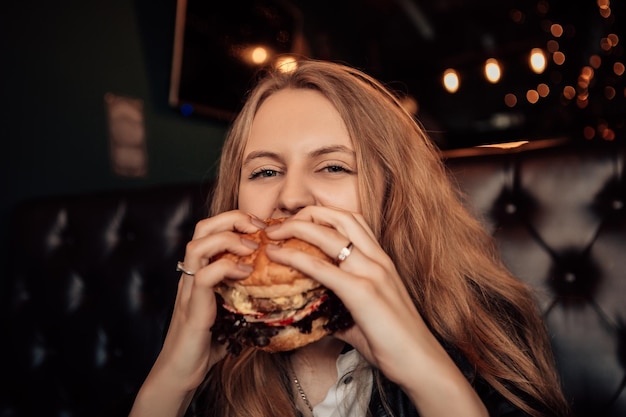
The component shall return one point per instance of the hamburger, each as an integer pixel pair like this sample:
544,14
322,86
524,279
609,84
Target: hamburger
277,308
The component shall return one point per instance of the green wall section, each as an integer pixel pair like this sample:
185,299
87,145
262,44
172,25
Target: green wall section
57,61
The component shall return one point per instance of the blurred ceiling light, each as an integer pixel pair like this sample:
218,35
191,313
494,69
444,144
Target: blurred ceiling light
606,13
606,44
492,70
609,92
258,55
586,75
537,60
556,30
286,63
451,80
543,90
532,96
510,100
558,58
595,61
552,46
569,92
618,68
504,121
409,104
516,15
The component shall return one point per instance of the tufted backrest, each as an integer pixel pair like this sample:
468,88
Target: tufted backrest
92,280
558,216
91,277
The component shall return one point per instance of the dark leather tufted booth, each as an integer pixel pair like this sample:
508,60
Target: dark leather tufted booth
92,277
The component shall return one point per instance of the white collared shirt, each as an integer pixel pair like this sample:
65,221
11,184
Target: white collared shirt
344,399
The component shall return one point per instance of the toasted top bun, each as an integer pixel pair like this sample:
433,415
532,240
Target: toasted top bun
270,279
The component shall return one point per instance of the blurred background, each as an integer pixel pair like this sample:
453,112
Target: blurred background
127,94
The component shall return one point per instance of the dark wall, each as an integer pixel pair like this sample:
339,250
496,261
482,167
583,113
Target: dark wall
57,61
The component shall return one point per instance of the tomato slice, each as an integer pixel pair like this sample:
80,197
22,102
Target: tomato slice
282,318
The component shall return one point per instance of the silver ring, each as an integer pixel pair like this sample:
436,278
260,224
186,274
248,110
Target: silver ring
180,267
345,252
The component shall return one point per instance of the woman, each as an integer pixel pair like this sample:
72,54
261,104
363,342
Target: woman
441,327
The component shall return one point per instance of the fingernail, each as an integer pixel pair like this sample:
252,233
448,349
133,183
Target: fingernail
245,267
272,246
249,243
257,222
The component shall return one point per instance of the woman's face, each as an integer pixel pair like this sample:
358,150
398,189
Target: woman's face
298,154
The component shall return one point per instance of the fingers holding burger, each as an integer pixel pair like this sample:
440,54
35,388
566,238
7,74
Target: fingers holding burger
276,308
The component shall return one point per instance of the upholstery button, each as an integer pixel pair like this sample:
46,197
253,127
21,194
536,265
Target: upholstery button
347,380
575,275
510,208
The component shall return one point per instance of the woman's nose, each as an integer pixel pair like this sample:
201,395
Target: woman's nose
294,195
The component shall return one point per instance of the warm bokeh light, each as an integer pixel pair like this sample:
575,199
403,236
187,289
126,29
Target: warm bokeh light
606,13
595,61
609,92
492,70
532,96
543,90
552,46
618,68
451,81
607,133
258,55
410,104
585,77
537,60
510,100
286,63
587,72
543,7
556,30
558,58
569,92
589,132
517,16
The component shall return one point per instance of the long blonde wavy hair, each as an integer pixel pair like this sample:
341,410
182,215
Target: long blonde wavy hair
447,261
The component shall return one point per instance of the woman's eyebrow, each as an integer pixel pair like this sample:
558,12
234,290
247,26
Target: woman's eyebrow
331,149
313,154
260,154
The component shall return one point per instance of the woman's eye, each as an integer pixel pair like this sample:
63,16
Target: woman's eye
263,173
335,168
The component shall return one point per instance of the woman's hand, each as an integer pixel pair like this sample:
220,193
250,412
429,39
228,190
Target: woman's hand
366,281
389,331
187,353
